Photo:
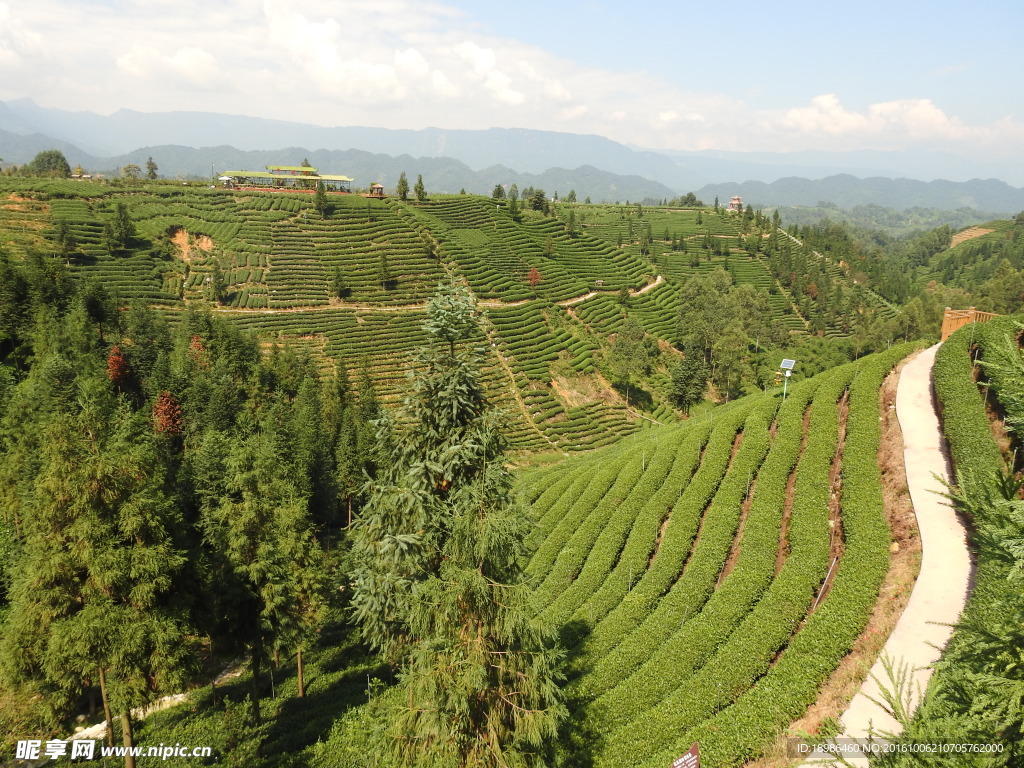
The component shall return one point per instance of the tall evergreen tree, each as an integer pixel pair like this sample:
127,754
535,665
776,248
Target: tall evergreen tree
320,200
385,276
122,228
270,566
64,238
93,600
402,187
438,584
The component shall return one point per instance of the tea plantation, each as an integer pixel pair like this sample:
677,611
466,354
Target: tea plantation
707,575
352,282
691,585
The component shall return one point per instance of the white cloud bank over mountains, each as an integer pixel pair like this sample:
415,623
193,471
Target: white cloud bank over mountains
402,64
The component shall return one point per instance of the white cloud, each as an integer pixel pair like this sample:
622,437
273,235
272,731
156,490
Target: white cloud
411,63
884,125
19,44
190,66
482,59
407,64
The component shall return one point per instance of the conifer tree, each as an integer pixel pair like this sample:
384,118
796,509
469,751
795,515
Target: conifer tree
342,435
122,227
320,200
438,584
63,238
402,188
309,447
384,274
419,190
93,599
270,566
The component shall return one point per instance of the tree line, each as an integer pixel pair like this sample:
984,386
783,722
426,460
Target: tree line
178,492
166,491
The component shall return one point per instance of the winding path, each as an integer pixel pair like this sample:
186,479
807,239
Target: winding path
484,303
946,568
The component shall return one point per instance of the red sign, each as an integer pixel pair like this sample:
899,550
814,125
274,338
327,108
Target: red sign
690,760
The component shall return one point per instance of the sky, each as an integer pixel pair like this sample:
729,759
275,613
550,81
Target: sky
739,76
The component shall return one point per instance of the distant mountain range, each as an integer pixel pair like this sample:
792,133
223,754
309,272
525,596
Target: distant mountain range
440,174
196,144
847,191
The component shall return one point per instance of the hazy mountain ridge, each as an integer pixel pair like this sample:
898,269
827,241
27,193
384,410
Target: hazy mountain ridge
476,160
846,191
440,174
525,150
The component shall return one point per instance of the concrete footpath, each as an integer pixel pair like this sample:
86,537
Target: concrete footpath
946,568
942,586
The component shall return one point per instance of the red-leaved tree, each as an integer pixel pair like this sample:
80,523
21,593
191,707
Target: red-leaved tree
534,278
117,366
167,414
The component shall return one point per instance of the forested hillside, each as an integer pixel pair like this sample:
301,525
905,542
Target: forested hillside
560,280
259,447
144,457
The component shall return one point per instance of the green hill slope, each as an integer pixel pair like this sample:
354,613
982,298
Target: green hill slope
558,288
682,549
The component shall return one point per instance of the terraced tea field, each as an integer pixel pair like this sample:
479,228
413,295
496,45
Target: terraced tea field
709,577
352,283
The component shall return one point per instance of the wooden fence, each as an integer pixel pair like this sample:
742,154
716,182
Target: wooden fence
953,319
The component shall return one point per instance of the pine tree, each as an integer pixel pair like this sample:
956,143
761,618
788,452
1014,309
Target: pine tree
119,232
384,275
151,169
308,448
63,238
419,190
215,289
269,565
372,442
338,284
94,596
534,277
320,200
438,585
402,187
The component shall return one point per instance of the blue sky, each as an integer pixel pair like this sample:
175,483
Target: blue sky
738,75
773,54
963,56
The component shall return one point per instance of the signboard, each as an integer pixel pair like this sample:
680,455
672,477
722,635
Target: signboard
787,364
690,760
